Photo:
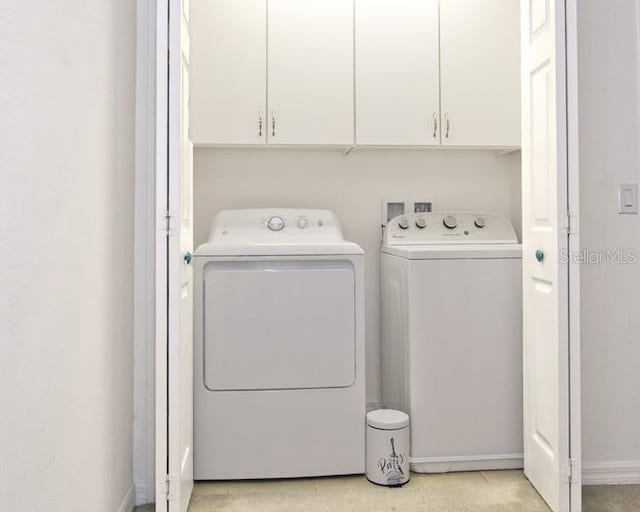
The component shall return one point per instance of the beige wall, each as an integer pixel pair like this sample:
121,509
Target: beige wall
353,187
66,212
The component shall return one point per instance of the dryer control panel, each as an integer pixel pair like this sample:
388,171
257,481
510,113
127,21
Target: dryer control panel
449,228
275,225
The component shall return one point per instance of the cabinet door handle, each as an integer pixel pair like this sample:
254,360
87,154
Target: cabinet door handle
435,125
259,123
446,125
273,123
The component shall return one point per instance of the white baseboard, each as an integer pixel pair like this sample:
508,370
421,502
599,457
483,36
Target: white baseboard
143,492
466,463
127,502
623,472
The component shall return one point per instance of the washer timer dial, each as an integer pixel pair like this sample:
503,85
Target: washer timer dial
450,221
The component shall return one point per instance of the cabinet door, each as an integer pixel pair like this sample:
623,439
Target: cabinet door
480,72
310,78
397,72
229,67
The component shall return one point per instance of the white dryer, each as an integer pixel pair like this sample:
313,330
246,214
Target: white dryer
452,338
279,362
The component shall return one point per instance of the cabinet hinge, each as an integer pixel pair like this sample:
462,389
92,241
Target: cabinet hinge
569,222
170,487
569,472
168,222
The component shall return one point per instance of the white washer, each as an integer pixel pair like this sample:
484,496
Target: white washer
279,347
452,338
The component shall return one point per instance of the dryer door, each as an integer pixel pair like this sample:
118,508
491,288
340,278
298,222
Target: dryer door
286,324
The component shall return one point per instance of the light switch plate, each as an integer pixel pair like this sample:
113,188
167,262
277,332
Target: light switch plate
628,198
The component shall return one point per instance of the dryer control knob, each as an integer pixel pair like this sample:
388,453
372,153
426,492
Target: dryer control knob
421,223
275,223
480,222
302,222
450,221
403,223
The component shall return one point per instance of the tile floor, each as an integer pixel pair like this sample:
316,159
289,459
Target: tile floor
494,491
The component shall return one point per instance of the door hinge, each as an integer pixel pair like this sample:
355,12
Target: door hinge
569,472
569,222
168,223
170,487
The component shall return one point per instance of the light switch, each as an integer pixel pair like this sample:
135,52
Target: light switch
628,198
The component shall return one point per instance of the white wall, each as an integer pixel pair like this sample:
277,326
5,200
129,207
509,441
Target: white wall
66,253
609,60
353,187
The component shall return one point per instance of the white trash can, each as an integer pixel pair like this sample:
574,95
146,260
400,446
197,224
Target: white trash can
387,455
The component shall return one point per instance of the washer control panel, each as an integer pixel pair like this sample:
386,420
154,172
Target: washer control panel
275,225
449,228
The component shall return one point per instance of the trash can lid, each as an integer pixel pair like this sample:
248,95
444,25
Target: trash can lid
387,419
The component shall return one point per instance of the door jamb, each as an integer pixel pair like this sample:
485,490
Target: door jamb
161,253
573,196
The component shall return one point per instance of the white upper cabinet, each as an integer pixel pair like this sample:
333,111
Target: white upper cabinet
310,76
420,72
397,72
229,74
480,72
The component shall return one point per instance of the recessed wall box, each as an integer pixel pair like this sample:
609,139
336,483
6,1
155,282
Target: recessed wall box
421,206
392,208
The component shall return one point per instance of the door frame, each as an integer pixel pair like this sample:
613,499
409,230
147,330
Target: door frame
161,91
153,168
573,214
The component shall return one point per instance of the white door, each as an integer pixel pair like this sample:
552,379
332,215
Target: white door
397,72
545,240
480,72
310,77
229,72
174,313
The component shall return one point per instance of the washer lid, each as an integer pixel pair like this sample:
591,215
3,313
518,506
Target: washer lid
455,252
387,419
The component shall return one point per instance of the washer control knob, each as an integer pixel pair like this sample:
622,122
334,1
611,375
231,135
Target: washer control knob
275,223
421,223
403,223
450,221
302,222
480,222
